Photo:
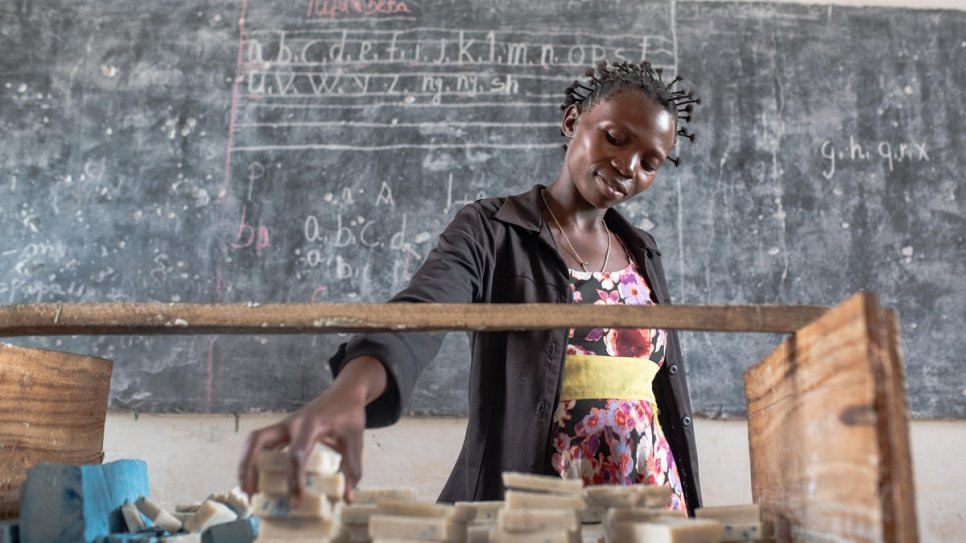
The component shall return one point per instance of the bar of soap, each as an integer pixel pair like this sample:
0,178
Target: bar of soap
276,482
209,514
420,528
536,520
373,495
556,536
158,515
323,460
132,518
744,532
518,499
609,496
542,483
614,517
236,500
482,511
668,531
478,533
275,506
356,513
308,529
653,495
410,509
731,514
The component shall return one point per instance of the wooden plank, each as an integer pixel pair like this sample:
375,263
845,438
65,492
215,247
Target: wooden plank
53,409
829,459
185,319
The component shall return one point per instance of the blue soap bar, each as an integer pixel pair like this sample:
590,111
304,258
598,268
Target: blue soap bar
63,503
10,531
243,530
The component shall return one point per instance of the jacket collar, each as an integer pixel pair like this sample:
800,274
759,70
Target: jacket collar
526,211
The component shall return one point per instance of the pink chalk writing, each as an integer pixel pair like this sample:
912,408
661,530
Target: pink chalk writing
251,236
336,8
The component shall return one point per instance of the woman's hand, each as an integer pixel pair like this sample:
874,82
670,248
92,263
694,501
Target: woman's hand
337,417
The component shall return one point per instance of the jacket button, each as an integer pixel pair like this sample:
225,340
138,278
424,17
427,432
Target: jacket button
541,409
686,421
552,349
673,370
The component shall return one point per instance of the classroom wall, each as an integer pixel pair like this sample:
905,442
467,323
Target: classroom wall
191,456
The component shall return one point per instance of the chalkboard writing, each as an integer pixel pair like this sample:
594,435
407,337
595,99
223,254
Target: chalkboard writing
255,151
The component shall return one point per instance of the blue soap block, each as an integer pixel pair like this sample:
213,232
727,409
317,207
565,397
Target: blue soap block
63,503
10,531
243,530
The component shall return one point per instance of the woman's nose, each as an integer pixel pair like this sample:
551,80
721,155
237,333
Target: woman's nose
627,166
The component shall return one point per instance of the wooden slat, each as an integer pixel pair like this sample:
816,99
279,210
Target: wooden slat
828,445
184,319
53,409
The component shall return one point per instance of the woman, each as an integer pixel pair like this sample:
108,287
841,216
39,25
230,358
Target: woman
590,403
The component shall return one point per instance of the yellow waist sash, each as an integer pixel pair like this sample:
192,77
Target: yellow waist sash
588,377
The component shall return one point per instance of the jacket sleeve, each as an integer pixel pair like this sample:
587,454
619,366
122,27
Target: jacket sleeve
453,272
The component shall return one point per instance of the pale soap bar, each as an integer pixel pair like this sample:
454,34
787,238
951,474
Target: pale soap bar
479,533
132,518
535,520
518,499
745,532
323,460
555,536
482,511
614,517
356,513
542,483
276,482
731,514
158,515
236,500
209,514
410,509
668,531
421,528
275,506
653,495
291,530
373,495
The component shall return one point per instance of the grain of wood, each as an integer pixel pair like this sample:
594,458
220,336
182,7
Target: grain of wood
829,462
187,319
52,409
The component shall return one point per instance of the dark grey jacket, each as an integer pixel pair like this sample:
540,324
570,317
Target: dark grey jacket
499,250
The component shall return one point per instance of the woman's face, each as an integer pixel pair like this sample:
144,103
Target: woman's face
618,146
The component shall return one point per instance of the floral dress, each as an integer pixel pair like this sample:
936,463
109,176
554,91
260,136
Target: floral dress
614,441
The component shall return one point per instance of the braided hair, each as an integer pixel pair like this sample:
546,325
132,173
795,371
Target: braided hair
605,80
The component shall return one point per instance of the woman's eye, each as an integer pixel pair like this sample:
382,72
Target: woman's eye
612,139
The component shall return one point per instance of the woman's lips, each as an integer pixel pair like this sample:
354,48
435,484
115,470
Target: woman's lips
614,186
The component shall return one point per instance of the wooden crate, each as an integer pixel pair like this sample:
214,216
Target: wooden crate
827,424
52,408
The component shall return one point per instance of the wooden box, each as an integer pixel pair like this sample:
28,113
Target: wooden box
52,409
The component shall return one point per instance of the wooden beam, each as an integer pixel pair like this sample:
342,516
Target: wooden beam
186,319
827,431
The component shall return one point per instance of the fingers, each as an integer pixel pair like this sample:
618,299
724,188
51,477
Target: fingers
303,439
265,438
352,462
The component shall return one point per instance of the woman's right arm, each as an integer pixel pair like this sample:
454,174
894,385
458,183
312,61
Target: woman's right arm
336,417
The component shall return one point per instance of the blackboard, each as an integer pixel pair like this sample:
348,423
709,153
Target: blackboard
256,151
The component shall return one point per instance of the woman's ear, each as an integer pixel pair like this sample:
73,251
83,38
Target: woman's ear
569,124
